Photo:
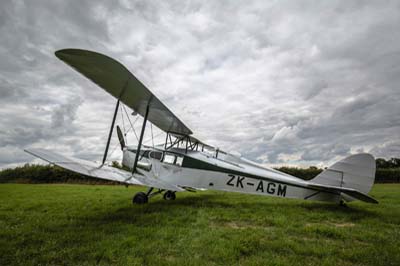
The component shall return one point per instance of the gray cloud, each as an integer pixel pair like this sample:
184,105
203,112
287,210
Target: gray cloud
283,82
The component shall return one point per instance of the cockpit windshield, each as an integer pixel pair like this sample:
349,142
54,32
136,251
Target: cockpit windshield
156,155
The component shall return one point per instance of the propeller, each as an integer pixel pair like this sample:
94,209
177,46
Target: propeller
121,137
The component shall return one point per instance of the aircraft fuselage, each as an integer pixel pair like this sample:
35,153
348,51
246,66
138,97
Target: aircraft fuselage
226,172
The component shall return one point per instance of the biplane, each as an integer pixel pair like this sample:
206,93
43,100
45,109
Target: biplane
183,162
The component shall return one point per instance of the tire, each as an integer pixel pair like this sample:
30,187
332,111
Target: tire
169,195
140,198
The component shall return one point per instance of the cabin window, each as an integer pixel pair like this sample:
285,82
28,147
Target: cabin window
169,158
179,160
173,159
156,155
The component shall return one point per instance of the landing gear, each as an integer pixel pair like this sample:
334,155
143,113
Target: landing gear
140,198
342,203
143,197
169,195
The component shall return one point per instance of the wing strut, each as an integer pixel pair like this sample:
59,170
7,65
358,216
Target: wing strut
113,122
110,134
141,138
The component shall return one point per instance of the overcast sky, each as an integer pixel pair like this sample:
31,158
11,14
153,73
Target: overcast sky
280,82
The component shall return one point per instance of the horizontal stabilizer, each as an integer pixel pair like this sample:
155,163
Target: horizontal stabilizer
92,169
347,191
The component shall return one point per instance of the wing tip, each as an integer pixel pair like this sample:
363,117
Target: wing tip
62,54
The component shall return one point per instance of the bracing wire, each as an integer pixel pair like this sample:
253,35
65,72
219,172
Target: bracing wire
113,150
152,137
157,135
131,123
129,129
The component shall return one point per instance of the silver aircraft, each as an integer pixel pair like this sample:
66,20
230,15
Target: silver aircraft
185,163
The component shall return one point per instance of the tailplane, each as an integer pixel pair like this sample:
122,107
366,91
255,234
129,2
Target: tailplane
356,172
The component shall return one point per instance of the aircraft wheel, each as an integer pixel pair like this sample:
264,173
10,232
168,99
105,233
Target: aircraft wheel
140,198
169,195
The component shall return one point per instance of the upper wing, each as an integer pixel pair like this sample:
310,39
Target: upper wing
104,172
114,78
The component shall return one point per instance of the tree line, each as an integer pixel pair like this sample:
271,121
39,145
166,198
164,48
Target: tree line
388,171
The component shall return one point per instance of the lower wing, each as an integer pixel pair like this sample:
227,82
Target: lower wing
92,169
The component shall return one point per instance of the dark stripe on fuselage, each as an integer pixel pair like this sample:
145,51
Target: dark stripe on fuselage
193,163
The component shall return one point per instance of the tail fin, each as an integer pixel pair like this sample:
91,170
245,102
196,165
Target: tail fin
355,172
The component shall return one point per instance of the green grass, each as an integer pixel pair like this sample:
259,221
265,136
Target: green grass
88,225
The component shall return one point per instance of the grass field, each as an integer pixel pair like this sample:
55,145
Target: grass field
88,225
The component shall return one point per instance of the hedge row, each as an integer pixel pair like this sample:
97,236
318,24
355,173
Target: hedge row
382,175
307,174
31,173
387,175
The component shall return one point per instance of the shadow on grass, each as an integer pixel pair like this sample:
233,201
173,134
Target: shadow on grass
332,207
189,207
